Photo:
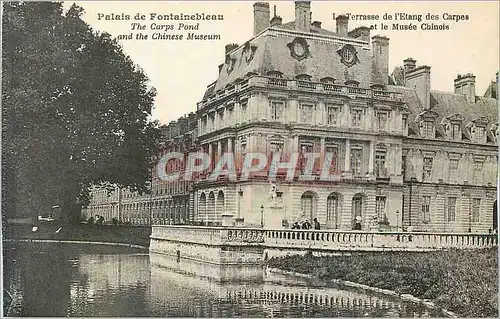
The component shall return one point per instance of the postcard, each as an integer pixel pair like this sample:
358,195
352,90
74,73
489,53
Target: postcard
250,159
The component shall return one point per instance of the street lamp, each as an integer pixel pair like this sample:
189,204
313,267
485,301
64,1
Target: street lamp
397,220
262,216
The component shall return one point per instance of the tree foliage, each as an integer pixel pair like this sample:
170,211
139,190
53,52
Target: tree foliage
76,110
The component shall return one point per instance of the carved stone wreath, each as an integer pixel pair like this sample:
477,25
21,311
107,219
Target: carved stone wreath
230,63
299,49
348,55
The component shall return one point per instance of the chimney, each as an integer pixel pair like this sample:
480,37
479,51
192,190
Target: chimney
276,20
302,15
342,22
230,47
380,51
261,16
409,64
466,84
316,24
419,79
362,33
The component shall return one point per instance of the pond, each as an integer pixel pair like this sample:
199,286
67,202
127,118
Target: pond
86,280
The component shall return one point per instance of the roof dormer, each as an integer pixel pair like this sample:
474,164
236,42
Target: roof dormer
477,128
425,121
452,126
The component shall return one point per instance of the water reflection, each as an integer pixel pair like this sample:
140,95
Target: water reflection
71,280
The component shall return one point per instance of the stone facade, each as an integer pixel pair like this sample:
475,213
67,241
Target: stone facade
407,157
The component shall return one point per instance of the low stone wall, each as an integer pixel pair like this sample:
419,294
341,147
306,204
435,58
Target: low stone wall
224,245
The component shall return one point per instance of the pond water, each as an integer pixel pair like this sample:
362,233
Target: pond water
84,280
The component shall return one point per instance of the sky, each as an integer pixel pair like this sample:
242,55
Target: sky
181,70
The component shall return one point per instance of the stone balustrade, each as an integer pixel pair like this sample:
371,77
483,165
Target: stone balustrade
356,240
327,240
292,84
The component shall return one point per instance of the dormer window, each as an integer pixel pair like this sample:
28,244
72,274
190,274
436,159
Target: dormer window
427,129
494,132
426,123
478,129
303,77
352,83
275,74
453,126
328,80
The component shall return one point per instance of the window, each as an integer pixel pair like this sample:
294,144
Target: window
277,110
356,160
380,209
380,170
306,148
405,123
452,205
476,204
427,169
332,211
381,120
403,166
333,115
453,164
428,129
426,209
455,132
356,117
479,133
306,113
334,150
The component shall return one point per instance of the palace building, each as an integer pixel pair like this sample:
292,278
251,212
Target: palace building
408,157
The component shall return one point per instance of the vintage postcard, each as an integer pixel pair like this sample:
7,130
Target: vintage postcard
250,159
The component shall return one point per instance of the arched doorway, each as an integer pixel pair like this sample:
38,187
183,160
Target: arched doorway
358,201
333,210
495,216
220,204
308,204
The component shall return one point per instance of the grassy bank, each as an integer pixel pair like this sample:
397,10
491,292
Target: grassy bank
462,281
104,233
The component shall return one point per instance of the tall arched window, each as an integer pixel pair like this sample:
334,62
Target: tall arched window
308,205
357,211
333,211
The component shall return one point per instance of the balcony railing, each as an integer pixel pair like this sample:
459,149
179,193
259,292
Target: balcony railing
293,84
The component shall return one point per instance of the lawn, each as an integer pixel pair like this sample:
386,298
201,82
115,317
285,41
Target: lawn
462,281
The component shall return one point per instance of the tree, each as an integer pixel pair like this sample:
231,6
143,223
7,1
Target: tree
76,111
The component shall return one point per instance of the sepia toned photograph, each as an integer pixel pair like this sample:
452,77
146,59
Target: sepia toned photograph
250,159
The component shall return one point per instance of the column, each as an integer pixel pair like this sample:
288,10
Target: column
322,151
371,158
347,162
219,149
295,144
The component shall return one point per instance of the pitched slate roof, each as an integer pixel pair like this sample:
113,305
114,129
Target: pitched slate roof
446,104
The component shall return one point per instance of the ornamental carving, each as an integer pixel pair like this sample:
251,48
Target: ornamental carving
348,55
249,52
299,49
230,61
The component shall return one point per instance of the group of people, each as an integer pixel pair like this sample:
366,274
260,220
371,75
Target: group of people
304,223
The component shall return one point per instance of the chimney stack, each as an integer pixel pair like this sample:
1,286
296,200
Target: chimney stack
261,16
342,22
276,20
380,51
466,84
302,15
419,79
362,33
409,64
